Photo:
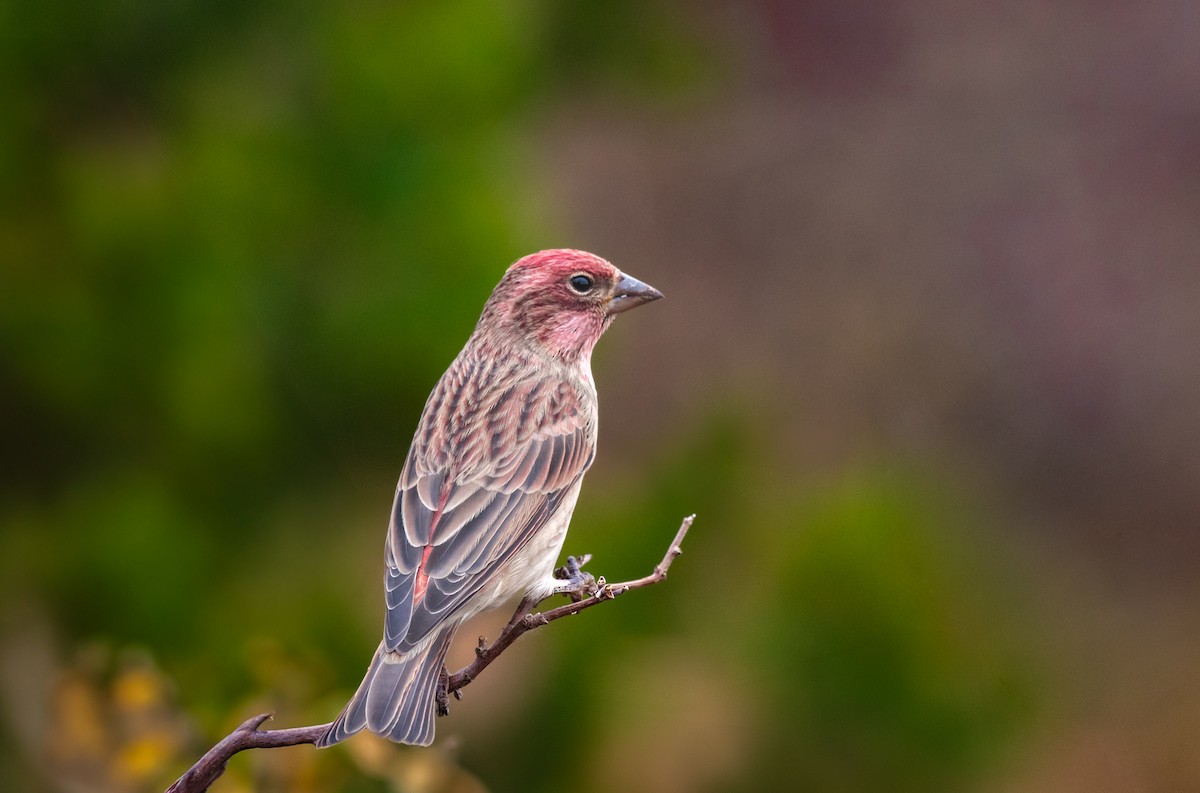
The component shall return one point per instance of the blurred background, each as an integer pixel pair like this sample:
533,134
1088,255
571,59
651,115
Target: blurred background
928,372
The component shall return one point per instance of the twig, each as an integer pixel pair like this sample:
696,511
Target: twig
524,621
200,776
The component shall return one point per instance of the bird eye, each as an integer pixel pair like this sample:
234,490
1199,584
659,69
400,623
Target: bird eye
582,283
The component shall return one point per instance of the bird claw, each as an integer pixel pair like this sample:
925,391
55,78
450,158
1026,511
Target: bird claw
573,567
577,584
442,697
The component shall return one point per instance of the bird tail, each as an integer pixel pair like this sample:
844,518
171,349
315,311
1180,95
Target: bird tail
396,697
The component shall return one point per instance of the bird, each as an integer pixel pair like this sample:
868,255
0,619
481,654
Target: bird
487,490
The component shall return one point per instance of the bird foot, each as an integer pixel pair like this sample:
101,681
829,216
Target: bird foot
442,697
577,584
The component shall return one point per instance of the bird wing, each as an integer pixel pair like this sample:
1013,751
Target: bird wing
489,466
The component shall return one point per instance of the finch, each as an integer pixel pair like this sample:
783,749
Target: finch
491,479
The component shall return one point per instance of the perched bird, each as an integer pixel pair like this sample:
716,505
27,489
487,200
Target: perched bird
491,479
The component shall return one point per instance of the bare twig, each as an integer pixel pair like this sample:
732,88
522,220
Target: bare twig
524,620
200,776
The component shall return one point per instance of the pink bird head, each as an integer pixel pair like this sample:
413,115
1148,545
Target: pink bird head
561,300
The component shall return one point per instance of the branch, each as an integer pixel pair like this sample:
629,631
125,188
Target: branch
200,776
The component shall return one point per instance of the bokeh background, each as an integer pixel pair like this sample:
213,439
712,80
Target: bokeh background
928,372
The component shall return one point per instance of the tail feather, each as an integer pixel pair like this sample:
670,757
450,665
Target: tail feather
396,697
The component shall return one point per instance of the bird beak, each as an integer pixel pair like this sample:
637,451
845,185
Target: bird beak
631,293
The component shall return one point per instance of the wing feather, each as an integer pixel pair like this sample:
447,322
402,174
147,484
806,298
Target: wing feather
398,591
465,510
429,489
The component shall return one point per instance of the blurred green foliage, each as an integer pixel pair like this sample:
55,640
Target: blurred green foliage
239,243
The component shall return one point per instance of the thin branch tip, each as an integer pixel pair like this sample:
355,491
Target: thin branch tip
252,724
